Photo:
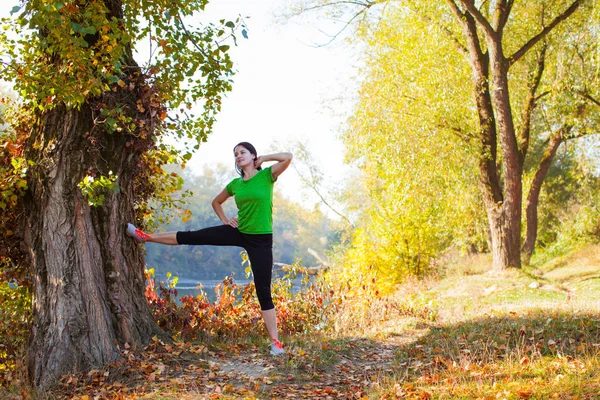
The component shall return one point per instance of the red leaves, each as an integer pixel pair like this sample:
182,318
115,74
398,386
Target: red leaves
235,312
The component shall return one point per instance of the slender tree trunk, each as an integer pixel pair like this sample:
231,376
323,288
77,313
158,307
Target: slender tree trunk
506,224
503,202
490,184
533,197
89,280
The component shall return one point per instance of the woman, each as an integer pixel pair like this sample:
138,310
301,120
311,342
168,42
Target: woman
251,229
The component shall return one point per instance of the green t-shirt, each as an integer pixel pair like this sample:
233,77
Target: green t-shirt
254,200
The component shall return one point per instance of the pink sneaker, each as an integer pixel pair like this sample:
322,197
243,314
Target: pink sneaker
277,348
136,233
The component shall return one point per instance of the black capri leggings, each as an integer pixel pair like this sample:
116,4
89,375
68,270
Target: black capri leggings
259,248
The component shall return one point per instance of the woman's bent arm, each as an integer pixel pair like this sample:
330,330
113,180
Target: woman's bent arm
283,161
217,205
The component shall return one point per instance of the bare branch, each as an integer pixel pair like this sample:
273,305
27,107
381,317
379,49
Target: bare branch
459,46
533,41
460,133
587,97
456,11
502,12
582,133
311,185
347,24
470,6
530,102
543,94
201,50
340,2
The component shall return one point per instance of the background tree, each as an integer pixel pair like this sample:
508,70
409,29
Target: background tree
567,106
420,180
502,49
98,133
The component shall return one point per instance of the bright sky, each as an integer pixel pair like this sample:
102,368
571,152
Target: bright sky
286,89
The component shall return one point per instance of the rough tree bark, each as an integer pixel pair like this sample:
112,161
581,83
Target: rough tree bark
89,278
507,223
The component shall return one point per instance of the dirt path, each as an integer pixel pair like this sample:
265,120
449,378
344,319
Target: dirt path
357,365
342,369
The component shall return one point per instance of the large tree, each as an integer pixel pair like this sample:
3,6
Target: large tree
501,101
485,46
99,133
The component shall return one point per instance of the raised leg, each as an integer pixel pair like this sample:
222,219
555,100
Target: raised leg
169,238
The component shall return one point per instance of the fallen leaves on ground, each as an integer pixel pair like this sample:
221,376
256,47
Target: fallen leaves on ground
186,371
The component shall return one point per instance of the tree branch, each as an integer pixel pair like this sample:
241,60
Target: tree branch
582,133
201,50
460,16
503,11
340,2
470,6
530,102
546,93
459,46
533,41
347,24
551,146
588,97
470,31
461,134
311,185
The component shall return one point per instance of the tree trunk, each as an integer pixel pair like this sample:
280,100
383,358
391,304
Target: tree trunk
531,212
502,202
501,241
506,225
89,278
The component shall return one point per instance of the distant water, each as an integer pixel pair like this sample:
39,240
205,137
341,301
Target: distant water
193,287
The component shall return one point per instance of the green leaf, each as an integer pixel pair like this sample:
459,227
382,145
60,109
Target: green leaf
77,28
14,10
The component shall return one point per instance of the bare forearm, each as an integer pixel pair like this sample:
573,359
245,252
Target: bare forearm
283,161
279,157
219,211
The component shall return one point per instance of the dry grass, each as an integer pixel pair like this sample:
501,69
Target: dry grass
582,264
533,333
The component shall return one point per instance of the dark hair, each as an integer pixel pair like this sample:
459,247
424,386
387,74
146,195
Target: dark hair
252,151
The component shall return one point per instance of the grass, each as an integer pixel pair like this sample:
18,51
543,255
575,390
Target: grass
533,333
469,334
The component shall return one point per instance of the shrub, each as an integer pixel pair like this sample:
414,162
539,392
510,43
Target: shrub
15,321
236,313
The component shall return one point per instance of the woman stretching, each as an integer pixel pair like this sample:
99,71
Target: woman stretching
252,229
